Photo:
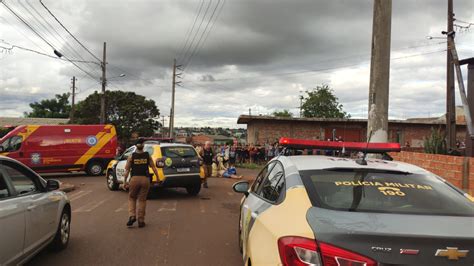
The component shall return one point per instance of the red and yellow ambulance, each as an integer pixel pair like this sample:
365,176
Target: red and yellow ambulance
58,148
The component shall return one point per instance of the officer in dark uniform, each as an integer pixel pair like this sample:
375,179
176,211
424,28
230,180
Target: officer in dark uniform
139,185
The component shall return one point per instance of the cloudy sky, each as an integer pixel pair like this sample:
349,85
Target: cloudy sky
240,55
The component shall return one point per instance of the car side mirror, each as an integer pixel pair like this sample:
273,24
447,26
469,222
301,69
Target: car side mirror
52,184
242,187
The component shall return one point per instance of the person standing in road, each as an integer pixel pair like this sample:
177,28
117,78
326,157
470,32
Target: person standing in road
207,157
139,185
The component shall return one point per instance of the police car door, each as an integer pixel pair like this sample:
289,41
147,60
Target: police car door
120,169
252,206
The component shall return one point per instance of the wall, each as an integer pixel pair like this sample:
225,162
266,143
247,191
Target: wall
263,131
457,170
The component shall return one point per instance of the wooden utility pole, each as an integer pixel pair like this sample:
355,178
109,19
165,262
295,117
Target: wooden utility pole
450,98
377,124
104,84
172,100
71,114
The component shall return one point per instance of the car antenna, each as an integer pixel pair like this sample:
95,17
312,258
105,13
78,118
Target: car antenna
362,160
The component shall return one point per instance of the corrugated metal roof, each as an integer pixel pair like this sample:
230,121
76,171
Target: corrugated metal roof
17,121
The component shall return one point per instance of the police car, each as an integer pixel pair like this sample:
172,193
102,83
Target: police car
321,210
178,165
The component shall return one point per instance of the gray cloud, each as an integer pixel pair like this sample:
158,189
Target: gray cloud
259,55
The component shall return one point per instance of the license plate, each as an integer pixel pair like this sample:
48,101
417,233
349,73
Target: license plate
181,170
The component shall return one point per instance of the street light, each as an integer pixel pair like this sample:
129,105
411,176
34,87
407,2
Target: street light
438,38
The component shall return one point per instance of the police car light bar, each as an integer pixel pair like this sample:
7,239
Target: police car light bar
339,145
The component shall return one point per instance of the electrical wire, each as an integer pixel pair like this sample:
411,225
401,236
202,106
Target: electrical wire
202,35
74,37
19,30
210,29
189,31
27,24
197,31
71,50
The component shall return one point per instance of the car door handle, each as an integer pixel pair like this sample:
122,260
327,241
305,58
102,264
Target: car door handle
31,207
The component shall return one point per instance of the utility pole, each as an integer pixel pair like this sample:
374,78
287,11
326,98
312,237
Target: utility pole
377,124
71,114
173,89
450,98
104,84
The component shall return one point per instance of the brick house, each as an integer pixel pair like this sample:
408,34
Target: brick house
263,129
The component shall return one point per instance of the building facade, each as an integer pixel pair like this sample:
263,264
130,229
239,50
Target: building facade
268,129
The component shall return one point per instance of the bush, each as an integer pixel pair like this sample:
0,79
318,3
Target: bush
435,143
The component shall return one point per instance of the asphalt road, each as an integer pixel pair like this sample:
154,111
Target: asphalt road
181,229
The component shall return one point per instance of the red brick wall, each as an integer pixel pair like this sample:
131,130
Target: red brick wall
448,167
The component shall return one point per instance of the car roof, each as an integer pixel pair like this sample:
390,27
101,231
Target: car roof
168,144
319,162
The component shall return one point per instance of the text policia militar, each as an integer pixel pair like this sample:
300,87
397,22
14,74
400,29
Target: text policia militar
382,184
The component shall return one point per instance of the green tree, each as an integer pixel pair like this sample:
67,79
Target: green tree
127,111
322,103
58,107
283,113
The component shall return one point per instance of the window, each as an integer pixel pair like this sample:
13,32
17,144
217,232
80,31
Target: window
22,183
4,192
260,177
128,152
384,192
178,152
12,144
273,184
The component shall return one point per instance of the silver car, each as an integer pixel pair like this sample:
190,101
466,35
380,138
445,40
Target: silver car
33,213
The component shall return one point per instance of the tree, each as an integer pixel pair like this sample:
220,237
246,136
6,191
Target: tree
127,111
322,103
283,113
57,107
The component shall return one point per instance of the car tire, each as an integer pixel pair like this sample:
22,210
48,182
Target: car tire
112,182
95,168
193,190
61,239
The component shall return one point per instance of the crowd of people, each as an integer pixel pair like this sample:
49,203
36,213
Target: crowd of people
241,154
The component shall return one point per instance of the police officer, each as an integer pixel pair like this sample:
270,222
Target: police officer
139,185
207,155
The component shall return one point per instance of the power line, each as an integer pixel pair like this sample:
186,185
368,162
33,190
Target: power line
189,31
19,30
197,31
27,24
57,20
53,35
210,29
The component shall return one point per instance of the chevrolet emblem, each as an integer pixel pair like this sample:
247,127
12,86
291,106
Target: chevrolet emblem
451,253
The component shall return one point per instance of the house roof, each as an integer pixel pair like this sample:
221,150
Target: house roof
245,119
17,121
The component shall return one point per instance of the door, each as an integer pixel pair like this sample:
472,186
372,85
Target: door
12,222
252,206
120,168
41,210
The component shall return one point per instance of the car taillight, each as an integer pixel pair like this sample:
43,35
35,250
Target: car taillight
160,163
304,251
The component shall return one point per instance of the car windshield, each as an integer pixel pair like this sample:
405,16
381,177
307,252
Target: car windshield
12,144
384,192
178,152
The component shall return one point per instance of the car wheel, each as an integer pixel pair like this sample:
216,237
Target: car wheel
95,168
194,190
61,239
111,183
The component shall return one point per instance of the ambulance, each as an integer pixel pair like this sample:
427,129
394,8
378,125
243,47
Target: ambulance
62,148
